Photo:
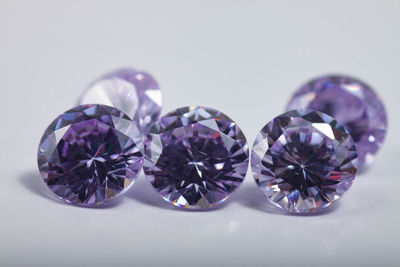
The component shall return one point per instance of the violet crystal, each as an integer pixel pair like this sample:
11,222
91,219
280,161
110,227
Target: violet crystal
304,161
134,92
195,157
353,103
90,154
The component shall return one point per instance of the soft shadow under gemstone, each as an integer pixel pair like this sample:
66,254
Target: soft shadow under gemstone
90,154
195,157
303,161
353,103
136,93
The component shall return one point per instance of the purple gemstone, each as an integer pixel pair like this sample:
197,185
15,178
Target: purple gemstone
195,157
90,154
136,93
354,104
304,161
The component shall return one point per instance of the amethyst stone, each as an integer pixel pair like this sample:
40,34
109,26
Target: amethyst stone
354,104
136,93
304,161
90,154
195,157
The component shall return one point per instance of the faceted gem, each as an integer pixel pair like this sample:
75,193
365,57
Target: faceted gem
354,104
195,157
136,93
90,154
304,161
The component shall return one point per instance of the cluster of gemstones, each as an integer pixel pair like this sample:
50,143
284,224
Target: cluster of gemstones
195,157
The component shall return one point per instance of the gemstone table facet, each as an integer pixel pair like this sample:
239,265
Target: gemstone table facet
136,93
195,157
90,154
303,161
352,103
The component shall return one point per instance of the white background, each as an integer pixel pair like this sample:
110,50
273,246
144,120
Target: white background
244,58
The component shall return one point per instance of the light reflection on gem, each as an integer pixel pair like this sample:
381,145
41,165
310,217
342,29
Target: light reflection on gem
136,93
300,165
90,154
195,157
351,102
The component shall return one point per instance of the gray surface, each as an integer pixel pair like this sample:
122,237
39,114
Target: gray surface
242,57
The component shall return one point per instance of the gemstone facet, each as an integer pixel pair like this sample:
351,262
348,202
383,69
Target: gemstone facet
136,93
195,157
90,154
303,161
351,102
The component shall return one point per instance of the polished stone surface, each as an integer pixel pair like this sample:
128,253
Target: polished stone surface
90,154
195,157
354,104
134,92
304,161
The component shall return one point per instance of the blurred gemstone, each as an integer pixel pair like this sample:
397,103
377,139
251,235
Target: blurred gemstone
195,157
354,104
303,161
90,154
136,93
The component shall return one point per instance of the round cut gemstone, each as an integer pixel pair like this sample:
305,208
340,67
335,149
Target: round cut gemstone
90,154
304,161
136,93
195,157
354,104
